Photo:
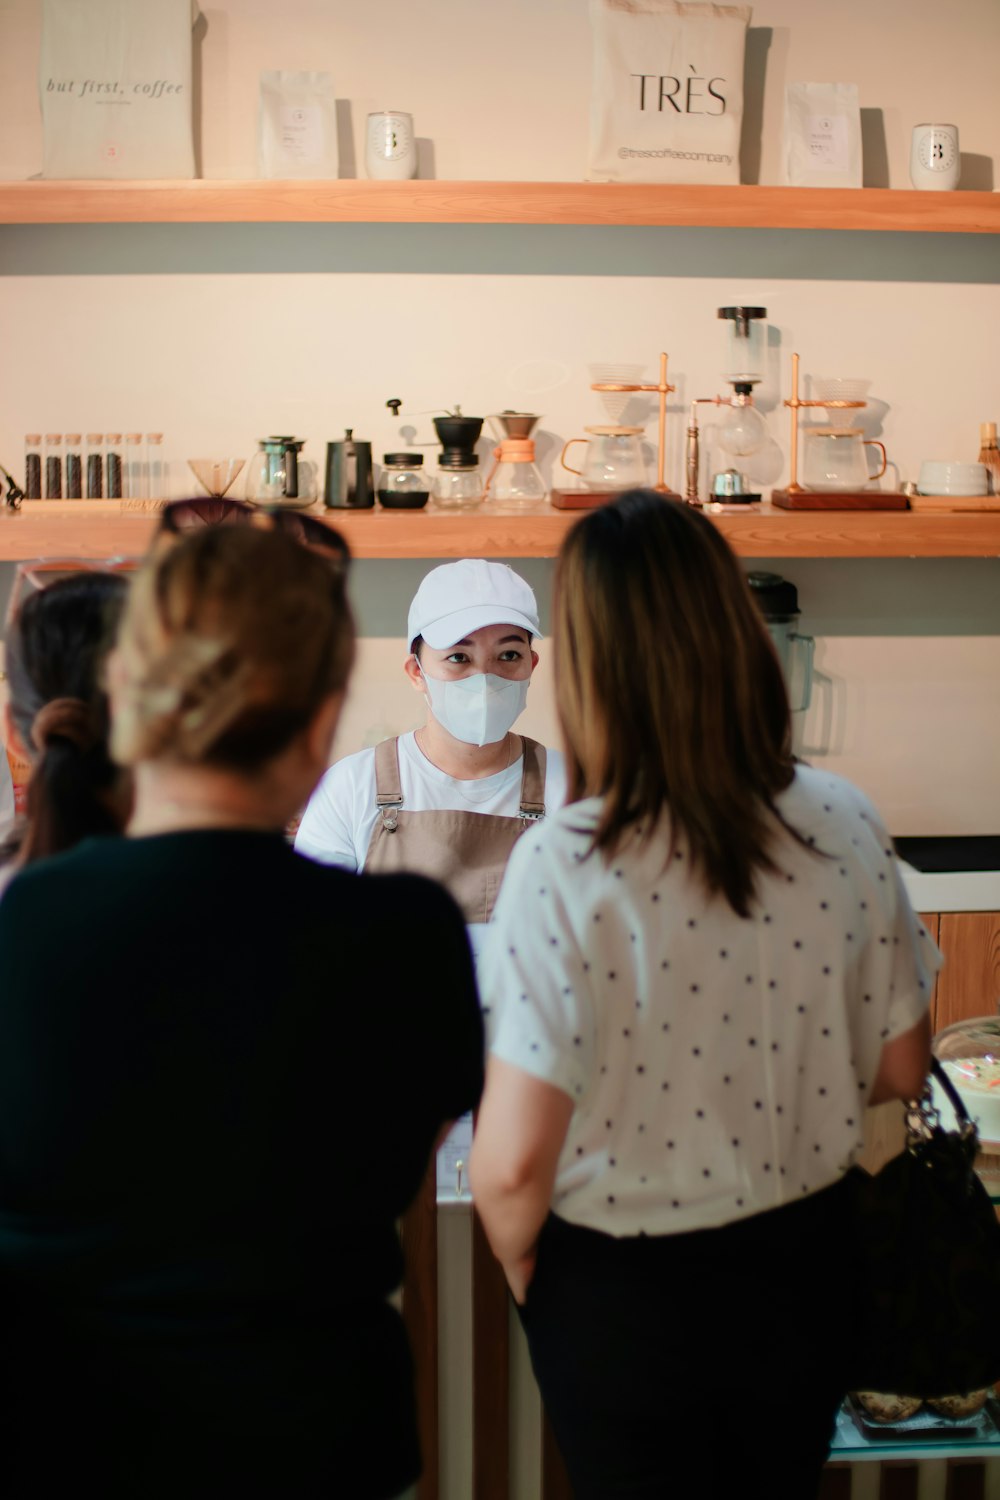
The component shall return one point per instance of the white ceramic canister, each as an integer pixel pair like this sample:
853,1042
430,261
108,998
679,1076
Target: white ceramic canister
935,162
390,146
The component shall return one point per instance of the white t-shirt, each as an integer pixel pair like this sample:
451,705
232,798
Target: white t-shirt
338,824
718,1066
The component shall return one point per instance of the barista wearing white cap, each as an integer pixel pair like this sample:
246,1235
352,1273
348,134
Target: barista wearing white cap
451,799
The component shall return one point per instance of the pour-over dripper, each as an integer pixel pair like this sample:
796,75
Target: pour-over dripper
216,475
517,424
615,402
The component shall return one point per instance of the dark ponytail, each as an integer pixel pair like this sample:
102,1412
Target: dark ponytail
55,653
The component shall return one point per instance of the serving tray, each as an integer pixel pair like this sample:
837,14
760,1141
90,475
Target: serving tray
926,1426
954,502
839,499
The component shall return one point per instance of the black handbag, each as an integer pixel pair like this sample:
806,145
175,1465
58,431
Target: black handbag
927,1262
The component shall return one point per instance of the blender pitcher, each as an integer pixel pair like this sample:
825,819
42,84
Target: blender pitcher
778,602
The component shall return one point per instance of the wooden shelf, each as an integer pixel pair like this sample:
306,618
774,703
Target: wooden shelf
535,533
747,207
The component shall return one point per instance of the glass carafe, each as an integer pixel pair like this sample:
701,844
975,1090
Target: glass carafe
458,486
613,458
515,478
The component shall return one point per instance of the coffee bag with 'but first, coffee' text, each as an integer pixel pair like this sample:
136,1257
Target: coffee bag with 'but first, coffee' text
667,101
115,84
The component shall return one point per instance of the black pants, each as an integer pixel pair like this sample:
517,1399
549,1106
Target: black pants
705,1364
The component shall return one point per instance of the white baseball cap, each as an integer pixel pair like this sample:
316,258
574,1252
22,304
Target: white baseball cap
460,597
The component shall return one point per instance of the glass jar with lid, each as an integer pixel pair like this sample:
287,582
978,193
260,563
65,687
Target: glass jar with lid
403,484
458,485
969,1052
74,465
53,466
33,466
113,465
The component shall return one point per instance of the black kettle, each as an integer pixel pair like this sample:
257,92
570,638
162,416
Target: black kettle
349,481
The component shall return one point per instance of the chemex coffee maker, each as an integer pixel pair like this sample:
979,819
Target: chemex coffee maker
515,478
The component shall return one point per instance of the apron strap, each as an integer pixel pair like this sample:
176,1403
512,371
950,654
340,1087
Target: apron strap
532,781
388,785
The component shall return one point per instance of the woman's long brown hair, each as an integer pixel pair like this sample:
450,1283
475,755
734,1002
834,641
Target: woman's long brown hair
669,692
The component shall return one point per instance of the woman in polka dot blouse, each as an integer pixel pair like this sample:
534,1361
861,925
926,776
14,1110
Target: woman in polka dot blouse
699,974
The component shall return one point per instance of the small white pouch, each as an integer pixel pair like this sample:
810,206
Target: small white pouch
297,126
822,140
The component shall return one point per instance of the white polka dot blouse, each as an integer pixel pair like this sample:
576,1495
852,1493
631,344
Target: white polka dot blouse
718,1066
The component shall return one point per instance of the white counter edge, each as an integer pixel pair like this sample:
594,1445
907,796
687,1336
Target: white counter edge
956,890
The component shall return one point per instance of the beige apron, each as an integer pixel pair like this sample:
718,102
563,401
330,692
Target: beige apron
466,851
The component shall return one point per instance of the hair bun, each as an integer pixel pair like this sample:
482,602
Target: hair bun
64,719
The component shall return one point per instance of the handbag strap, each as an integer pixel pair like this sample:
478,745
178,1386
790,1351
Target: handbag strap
923,1117
954,1097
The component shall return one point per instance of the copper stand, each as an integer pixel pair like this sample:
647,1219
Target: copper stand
793,487
663,388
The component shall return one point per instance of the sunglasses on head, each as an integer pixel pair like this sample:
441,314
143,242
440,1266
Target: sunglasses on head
182,516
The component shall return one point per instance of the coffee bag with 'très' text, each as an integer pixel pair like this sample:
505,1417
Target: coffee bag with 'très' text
667,100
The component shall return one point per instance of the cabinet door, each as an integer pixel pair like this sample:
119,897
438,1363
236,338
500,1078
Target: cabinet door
885,1131
969,983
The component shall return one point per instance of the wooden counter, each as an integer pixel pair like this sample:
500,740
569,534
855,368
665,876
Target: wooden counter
95,529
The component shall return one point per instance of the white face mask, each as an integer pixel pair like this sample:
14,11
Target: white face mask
478,710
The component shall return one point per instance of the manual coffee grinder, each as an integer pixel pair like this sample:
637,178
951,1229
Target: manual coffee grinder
577,499
458,484
514,478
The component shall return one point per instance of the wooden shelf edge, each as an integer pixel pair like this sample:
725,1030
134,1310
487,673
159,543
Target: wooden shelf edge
539,533
207,200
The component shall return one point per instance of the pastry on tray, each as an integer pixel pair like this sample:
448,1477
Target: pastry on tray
959,1406
881,1406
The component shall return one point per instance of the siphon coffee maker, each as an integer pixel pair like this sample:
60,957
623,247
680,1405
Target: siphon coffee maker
514,478
743,430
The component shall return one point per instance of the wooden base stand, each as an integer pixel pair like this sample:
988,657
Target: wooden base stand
838,500
583,499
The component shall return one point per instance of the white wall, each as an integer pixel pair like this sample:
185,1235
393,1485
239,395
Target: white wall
503,91
220,334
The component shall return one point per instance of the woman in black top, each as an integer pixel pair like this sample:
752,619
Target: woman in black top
58,716
219,1086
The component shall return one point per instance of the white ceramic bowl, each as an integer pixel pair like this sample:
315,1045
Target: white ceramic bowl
939,477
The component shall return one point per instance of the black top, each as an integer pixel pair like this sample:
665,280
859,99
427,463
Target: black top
222,1071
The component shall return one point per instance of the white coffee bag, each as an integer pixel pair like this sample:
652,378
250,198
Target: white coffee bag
115,84
297,126
667,100
822,139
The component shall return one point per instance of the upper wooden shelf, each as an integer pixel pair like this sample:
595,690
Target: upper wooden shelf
209,201
538,532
